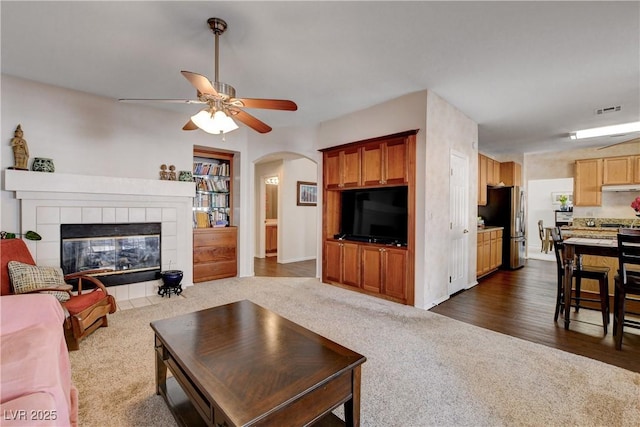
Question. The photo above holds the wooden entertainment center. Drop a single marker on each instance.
(382, 269)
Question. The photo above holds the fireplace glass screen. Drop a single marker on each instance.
(118, 254)
(129, 252)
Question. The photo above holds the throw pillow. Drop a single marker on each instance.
(28, 278)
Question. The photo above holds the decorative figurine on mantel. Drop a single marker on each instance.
(164, 175)
(20, 150)
(168, 175)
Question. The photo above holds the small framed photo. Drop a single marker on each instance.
(307, 193)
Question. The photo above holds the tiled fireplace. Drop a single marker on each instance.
(48, 200)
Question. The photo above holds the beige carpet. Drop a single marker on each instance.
(422, 369)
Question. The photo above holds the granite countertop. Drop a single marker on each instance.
(589, 232)
(485, 228)
(579, 228)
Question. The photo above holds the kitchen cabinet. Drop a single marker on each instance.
(489, 251)
(342, 168)
(511, 173)
(385, 163)
(384, 271)
(482, 180)
(341, 263)
(271, 240)
(489, 174)
(587, 183)
(493, 171)
(214, 253)
(636, 169)
(618, 170)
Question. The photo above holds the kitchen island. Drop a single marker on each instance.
(603, 228)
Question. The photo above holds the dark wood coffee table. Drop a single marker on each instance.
(242, 365)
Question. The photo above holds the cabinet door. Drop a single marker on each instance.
(588, 183)
(636, 169)
(333, 262)
(482, 180)
(350, 167)
(332, 169)
(271, 239)
(511, 173)
(372, 164)
(351, 264)
(395, 273)
(395, 163)
(494, 250)
(492, 179)
(479, 255)
(496, 171)
(371, 269)
(499, 249)
(486, 252)
(617, 170)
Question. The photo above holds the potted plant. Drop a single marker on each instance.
(563, 202)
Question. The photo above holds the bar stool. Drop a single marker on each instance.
(601, 274)
(627, 281)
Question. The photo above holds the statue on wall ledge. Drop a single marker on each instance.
(20, 150)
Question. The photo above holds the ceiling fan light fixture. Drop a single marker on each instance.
(620, 129)
(216, 123)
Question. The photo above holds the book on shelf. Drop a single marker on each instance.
(206, 168)
(202, 219)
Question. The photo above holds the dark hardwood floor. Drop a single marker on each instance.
(269, 267)
(521, 304)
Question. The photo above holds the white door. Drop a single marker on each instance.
(458, 222)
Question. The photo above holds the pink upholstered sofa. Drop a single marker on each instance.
(35, 372)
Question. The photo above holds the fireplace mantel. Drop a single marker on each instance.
(43, 182)
(48, 200)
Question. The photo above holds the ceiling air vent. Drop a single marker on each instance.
(607, 110)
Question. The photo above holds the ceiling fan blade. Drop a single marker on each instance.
(636, 140)
(250, 121)
(189, 126)
(200, 82)
(268, 104)
(166, 101)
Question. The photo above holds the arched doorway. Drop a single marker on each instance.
(278, 217)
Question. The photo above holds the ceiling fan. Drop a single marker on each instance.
(220, 98)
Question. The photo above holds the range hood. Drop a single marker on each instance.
(625, 187)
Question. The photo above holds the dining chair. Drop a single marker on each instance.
(627, 281)
(541, 234)
(601, 274)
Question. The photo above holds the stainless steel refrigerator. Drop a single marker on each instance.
(505, 208)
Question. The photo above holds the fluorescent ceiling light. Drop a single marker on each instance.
(606, 131)
(216, 123)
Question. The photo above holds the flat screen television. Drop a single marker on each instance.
(375, 215)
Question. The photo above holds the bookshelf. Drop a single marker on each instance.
(214, 236)
(212, 202)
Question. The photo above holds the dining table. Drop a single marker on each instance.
(576, 246)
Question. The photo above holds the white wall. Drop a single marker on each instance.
(91, 135)
(540, 207)
(297, 231)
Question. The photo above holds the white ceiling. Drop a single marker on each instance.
(527, 72)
